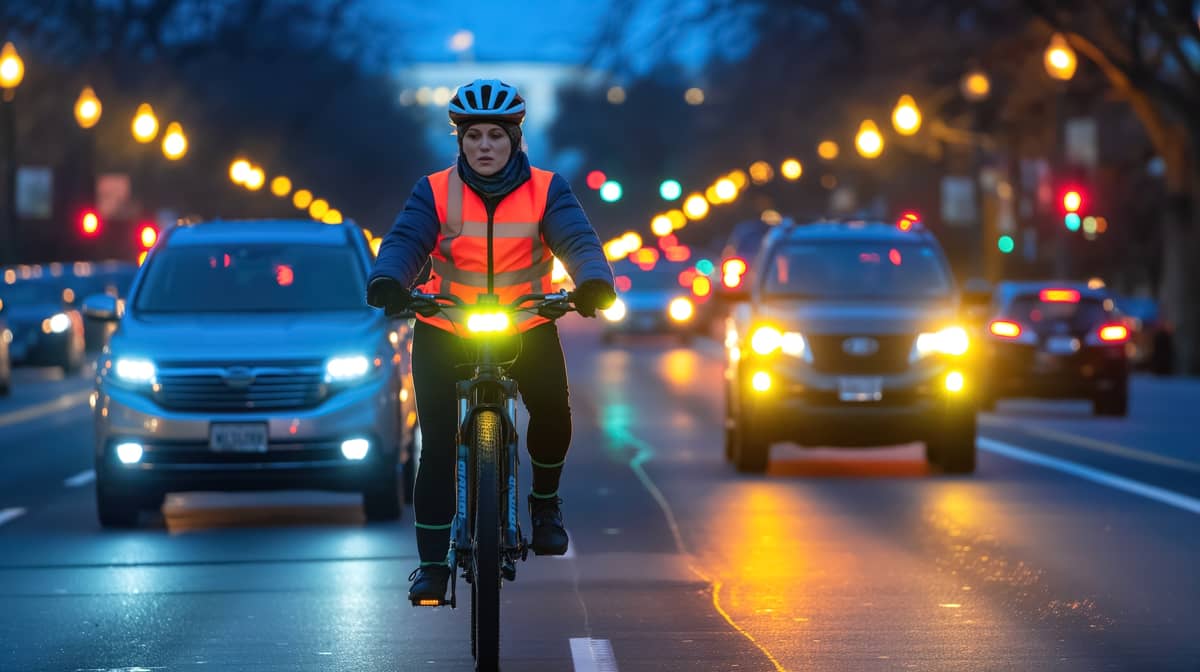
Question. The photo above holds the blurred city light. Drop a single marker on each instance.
(239, 170)
(375, 243)
(771, 217)
(174, 144)
(89, 223)
(318, 208)
(1089, 225)
(829, 181)
(975, 85)
(726, 190)
(442, 96)
(678, 219)
(678, 253)
(705, 267)
(761, 172)
(1101, 224)
(148, 236)
(695, 207)
(701, 286)
(1072, 221)
(739, 179)
(332, 216)
(1059, 58)
(791, 169)
(712, 196)
(145, 124)
(906, 118)
(694, 96)
(558, 272)
(1006, 244)
(670, 190)
(661, 225)
(616, 95)
(1072, 201)
(281, 186)
(631, 240)
(255, 179)
(869, 141)
(302, 199)
(12, 68)
(828, 150)
(462, 41)
(610, 191)
(87, 108)
(596, 179)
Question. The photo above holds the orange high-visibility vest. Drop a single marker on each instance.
(522, 263)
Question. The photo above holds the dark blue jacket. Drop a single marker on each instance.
(565, 228)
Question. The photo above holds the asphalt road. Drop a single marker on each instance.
(1074, 547)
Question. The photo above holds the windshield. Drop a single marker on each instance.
(31, 293)
(852, 269)
(252, 278)
(648, 281)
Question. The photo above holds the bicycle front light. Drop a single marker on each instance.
(949, 341)
(488, 323)
(346, 369)
(615, 312)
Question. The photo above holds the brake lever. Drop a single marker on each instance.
(555, 309)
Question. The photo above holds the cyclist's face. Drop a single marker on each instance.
(487, 148)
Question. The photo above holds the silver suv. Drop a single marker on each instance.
(246, 358)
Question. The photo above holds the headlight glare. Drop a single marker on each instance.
(57, 324)
(345, 369)
(136, 371)
(681, 309)
(615, 312)
(488, 322)
(766, 340)
(949, 341)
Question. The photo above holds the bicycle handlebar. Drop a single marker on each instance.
(553, 305)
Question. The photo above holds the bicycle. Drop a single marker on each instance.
(485, 536)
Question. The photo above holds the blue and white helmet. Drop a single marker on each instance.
(487, 100)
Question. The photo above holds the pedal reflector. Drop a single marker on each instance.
(429, 603)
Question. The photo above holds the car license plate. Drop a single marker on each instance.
(238, 438)
(1062, 345)
(860, 389)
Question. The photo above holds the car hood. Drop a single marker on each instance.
(857, 317)
(254, 337)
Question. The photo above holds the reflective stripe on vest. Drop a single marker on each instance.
(522, 264)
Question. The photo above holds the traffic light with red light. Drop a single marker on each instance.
(148, 236)
(89, 223)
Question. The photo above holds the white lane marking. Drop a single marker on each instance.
(1131, 486)
(62, 403)
(592, 655)
(1099, 446)
(82, 478)
(7, 515)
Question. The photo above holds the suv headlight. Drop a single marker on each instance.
(57, 324)
(347, 369)
(949, 341)
(135, 371)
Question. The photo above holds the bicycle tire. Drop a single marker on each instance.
(485, 604)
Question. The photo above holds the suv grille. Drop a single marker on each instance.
(233, 388)
(891, 357)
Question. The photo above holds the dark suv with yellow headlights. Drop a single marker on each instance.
(850, 338)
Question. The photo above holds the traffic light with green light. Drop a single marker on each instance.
(1006, 244)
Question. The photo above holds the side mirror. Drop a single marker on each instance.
(102, 307)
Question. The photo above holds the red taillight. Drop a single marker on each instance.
(732, 270)
(1114, 333)
(1060, 296)
(1005, 329)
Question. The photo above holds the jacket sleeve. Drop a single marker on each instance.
(405, 248)
(570, 235)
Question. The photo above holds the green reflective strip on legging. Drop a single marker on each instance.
(547, 466)
(540, 496)
(423, 526)
(433, 564)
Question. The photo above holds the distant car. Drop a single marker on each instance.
(247, 359)
(850, 337)
(86, 279)
(1150, 338)
(5, 361)
(737, 257)
(46, 330)
(1057, 340)
(650, 301)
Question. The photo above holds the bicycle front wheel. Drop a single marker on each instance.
(485, 605)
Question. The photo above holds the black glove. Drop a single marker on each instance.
(593, 294)
(389, 294)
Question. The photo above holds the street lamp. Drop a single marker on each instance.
(239, 170)
(174, 144)
(255, 179)
(726, 190)
(1059, 58)
(869, 141)
(318, 208)
(87, 108)
(281, 186)
(695, 207)
(761, 172)
(828, 150)
(975, 85)
(145, 124)
(661, 225)
(12, 69)
(333, 216)
(906, 117)
(302, 199)
(791, 169)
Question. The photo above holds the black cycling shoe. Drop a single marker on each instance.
(549, 535)
(429, 585)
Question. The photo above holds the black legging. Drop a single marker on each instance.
(541, 375)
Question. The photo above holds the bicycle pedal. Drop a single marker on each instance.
(430, 602)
